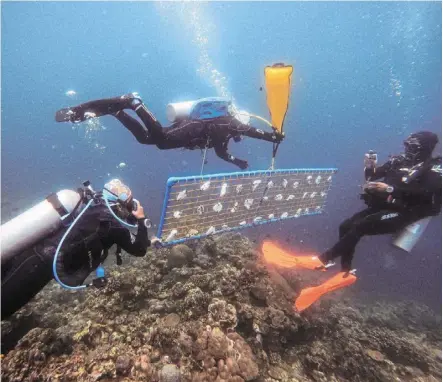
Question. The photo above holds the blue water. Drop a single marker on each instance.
(365, 76)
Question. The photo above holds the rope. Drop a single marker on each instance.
(274, 153)
(272, 166)
(204, 157)
(261, 119)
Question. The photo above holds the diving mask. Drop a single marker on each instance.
(117, 191)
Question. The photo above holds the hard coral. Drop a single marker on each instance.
(221, 316)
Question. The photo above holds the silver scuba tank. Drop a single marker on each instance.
(36, 223)
(179, 110)
(408, 237)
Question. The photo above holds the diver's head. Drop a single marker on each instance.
(419, 146)
(237, 138)
(121, 195)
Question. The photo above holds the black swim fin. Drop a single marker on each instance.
(97, 108)
(75, 114)
(65, 115)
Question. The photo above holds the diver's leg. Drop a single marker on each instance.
(96, 108)
(135, 127)
(344, 247)
(346, 261)
(348, 223)
(351, 232)
(344, 228)
(184, 134)
(154, 127)
(377, 223)
(22, 278)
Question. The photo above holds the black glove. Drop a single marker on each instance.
(242, 164)
(279, 136)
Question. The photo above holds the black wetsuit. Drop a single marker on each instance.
(390, 213)
(84, 249)
(189, 134)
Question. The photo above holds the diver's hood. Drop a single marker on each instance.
(116, 190)
(419, 146)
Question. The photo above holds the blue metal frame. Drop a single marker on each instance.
(173, 180)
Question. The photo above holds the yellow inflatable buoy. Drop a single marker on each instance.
(278, 88)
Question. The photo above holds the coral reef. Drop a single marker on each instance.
(214, 312)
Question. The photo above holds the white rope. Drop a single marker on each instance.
(204, 157)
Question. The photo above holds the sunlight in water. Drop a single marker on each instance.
(193, 17)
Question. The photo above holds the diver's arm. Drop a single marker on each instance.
(236, 127)
(377, 172)
(221, 149)
(122, 237)
(400, 191)
(420, 193)
(420, 190)
(410, 190)
(430, 185)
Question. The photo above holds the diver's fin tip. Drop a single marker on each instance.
(310, 295)
(64, 115)
(307, 297)
(278, 256)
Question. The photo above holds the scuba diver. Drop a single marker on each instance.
(210, 123)
(86, 224)
(411, 190)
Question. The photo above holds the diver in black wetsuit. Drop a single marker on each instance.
(410, 191)
(25, 274)
(190, 134)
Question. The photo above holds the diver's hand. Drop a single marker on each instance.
(242, 164)
(279, 136)
(156, 242)
(370, 160)
(376, 186)
(139, 213)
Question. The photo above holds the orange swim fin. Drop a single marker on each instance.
(277, 256)
(310, 295)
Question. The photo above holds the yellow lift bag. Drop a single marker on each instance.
(278, 89)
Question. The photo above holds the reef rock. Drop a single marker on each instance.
(215, 312)
(179, 256)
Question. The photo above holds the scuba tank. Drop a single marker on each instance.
(204, 108)
(409, 236)
(179, 110)
(37, 222)
(52, 214)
